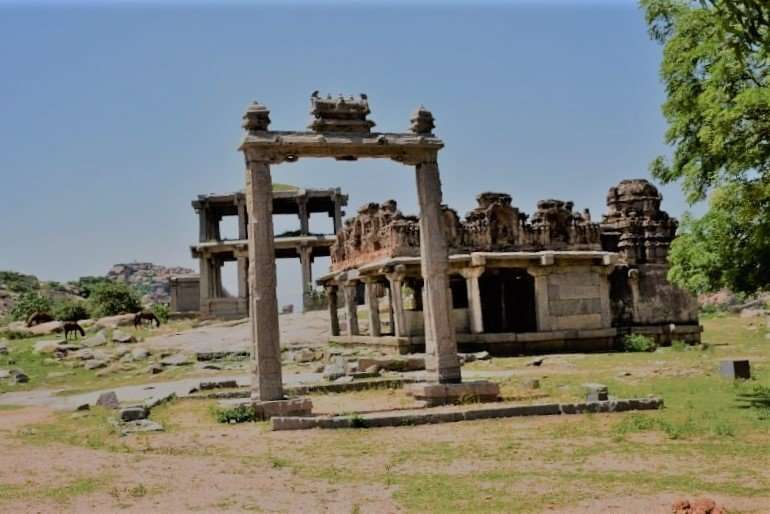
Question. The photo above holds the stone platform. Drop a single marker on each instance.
(442, 394)
(457, 413)
(282, 408)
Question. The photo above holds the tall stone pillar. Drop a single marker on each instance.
(304, 216)
(306, 263)
(216, 274)
(331, 296)
(351, 308)
(440, 344)
(374, 306)
(267, 381)
(471, 276)
(398, 318)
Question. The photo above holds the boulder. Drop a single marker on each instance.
(304, 355)
(19, 377)
(98, 339)
(4, 373)
(108, 400)
(95, 364)
(84, 355)
(119, 336)
(3, 347)
(121, 320)
(155, 369)
(140, 353)
(47, 346)
(45, 329)
(176, 360)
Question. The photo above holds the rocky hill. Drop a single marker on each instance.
(151, 280)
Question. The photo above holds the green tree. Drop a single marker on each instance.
(716, 57)
(70, 309)
(28, 304)
(111, 298)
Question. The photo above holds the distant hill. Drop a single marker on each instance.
(151, 280)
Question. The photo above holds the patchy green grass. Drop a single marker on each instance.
(59, 494)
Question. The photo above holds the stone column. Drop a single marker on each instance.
(243, 232)
(306, 263)
(331, 295)
(304, 216)
(398, 319)
(216, 275)
(337, 214)
(391, 312)
(204, 284)
(243, 277)
(267, 381)
(471, 276)
(374, 306)
(542, 307)
(213, 226)
(440, 344)
(351, 308)
(203, 225)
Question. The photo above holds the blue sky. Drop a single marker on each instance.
(114, 118)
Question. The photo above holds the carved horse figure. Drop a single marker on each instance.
(37, 318)
(73, 327)
(141, 317)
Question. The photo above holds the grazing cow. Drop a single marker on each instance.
(141, 317)
(73, 327)
(37, 318)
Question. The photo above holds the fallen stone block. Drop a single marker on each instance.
(153, 401)
(176, 360)
(140, 425)
(735, 369)
(395, 364)
(19, 377)
(95, 364)
(133, 412)
(47, 346)
(465, 392)
(3, 347)
(99, 339)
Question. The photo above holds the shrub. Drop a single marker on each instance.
(18, 282)
(69, 309)
(87, 284)
(111, 298)
(639, 343)
(237, 414)
(678, 345)
(161, 310)
(28, 304)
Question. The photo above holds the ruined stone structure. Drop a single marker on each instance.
(555, 281)
(340, 130)
(212, 251)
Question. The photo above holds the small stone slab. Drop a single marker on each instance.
(218, 384)
(3, 347)
(19, 377)
(99, 339)
(140, 425)
(395, 364)
(154, 401)
(596, 392)
(735, 369)
(442, 394)
(285, 408)
(176, 360)
(118, 336)
(210, 356)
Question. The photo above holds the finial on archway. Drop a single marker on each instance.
(422, 122)
(256, 118)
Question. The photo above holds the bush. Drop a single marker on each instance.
(639, 343)
(18, 282)
(112, 298)
(28, 304)
(678, 345)
(87, 284)
(161, 310)
(237, 414)
(69, 309)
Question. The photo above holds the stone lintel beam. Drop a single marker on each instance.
(285, 146)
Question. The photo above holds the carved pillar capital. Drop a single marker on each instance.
(472, 272)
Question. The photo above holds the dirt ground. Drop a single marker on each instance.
(701, 445)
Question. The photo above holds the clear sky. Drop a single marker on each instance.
(113, 118)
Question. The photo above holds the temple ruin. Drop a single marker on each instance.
(555, 281)
(212, 250)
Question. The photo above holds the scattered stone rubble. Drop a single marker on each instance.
(702, 506)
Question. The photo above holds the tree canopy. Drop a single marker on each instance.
(716, 57)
